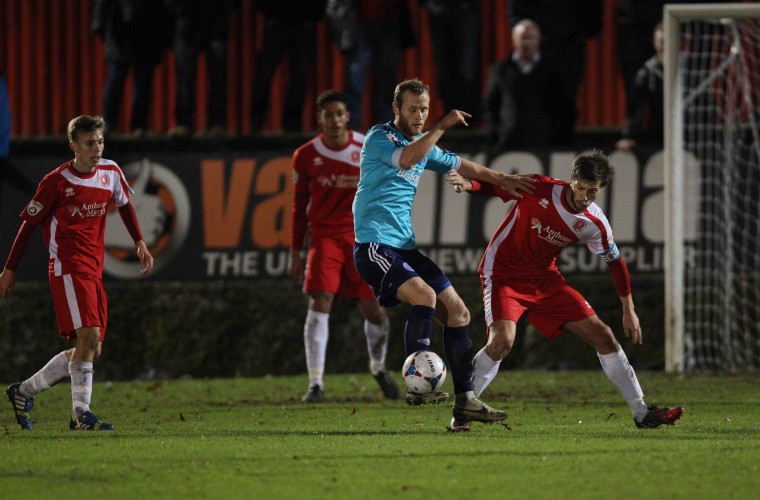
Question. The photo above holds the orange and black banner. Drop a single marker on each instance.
(227, 216)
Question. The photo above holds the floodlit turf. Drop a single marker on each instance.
(569, 435)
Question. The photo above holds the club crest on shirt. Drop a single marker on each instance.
(579, 225)
(33, 208)
(104, 180)
(393, 139)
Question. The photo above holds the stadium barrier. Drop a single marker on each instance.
(221, 304)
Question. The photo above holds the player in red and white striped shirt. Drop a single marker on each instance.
(519, 276)
(326, 172)
(70, 206)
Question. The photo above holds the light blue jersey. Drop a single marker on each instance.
(383, 203)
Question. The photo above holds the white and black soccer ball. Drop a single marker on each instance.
(424, 372)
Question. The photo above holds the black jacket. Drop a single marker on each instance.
(132, 29)
(526, 110)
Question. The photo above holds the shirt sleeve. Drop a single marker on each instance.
(122, 191)
(487, 189)
(442, 160)
(129, 217)
(42, 204)
(620, 277)
(19, 245)
(382, 145)
(300, 202)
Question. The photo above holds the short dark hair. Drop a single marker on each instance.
(84, 124)
(415, 86)
(329, 96)
(593, 166)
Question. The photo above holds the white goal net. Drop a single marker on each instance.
(712, 179)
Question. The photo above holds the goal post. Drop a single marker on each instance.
(712, 186)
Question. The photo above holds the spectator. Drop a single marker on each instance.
(371, 35)
(200, 26)
(290, 27)
(634, 23)
(134, 34)
(566, 26)
(644, 123)
(525, 106)
(455, 32)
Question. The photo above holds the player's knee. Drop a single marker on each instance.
(424, 297)
(373, 312)
(457, 314)
(499, 344)
(604, 340)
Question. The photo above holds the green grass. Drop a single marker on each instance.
(570, 435)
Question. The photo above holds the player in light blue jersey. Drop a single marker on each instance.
(394, 157)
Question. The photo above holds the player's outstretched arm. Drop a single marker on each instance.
(461, 185)
(420, 147)
(515, 185)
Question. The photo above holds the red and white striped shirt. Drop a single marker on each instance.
(325, 185)
(71, 209)
(539, 226)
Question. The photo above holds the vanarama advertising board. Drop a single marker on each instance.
(227, 216)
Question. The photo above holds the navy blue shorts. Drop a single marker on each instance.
(386, 268)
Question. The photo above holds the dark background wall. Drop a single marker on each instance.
(55, 68)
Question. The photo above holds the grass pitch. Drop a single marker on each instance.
(569, 435)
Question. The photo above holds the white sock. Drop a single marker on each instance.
(484, 370)
(620, 372)
(377, 344)
(464, 397)
(81, 387)
(53, 372)
(315, 333)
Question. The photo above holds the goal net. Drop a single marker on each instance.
(712, 182)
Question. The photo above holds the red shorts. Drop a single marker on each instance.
(330, 268)
(549, 306)
(79, 300)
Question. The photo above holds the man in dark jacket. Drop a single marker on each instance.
(525, 105)
(135, 33)
(201, 26)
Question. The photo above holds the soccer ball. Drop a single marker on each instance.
(423, 372)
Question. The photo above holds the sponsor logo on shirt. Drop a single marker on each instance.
(550, 235)
(88, 209)
(341, 181)
(412, 175)
(33, 208)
